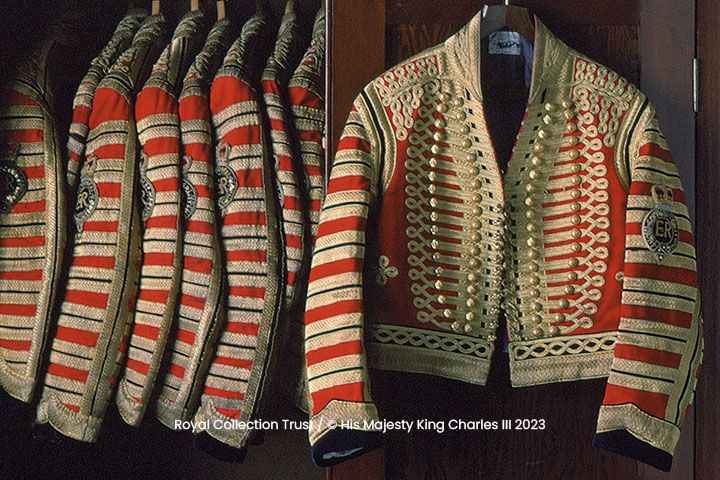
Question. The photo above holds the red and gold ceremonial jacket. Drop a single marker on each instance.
(584, 243)
(96, 309)
(158, 127)
(201, 310)
(236, 384)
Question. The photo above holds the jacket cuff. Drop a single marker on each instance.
(624, 443)
(343, 430)
(629, 431)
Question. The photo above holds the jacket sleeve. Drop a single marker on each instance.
(336, 365)
(659, 348)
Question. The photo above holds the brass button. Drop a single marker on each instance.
(468, 328)
(554, 331)
(435, 149)
(474, 250)
(457, 102)
(564, 303)
(477, 211)
(531, 242)
(569, 114)
(477, 197)
(547, 119)
(573, 262)
(432, 176)
(571, 128)
(434, 243)
(533, 267)
(442, 108)
(538, 147)
(542, 134)
(474, 263)
(447, 313)
(476, 184)
(460, 116)
(472, 289)
(432, 188)
(576, 220)
(574, 154)
(474, 171)
(470, 302)
(576, 247)
(537, 306)
(440, 123)
(534, 174)
(572, 276)
(575, 207)
(434, 216)
(476, 237)
(574, 140)
(442, 299)
(436, 257)
(433, 202)
(576, 233)
(530, 214)
(575, 193)
(529, 201)
(438, 270)
(535, 319)
(537, 161)
(577, 168)
(533, 254)
(534, 293)
(433, 162)
(538, 332)
(534, 281)
(472, 277)
(464, 130)
(470, 316)
(569, 289)
(456, 326)
(437, 136)
(549, 107)
(446, 97)
(576, 180)
(567, 104)
(531, 227)
(530, 187)
(439, 284)
(560, 317)
(467, 143)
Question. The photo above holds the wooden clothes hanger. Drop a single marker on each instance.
(194, 5)
(220, 9)
(517, 19)
(155, 7)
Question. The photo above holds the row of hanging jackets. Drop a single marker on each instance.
(193, 179)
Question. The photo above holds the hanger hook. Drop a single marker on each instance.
(507, 3)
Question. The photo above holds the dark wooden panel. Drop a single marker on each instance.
(562, 451)
(566, 12)
(358, 54)
(708, 222)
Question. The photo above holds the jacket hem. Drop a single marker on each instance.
(445, 364)
(16, 385)
(555, 369)
(77, 426)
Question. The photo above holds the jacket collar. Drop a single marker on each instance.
(547, 64)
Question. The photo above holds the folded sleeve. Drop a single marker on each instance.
(342, 412)
(659, 347)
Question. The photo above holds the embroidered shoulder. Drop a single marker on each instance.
(406, 87)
